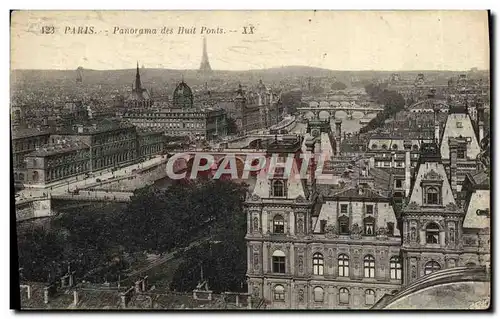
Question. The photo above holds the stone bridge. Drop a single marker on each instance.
(324, 110)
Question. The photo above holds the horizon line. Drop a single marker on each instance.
(264, 69)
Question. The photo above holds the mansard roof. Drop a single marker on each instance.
(357, 193)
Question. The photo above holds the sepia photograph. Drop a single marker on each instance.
(250, 160)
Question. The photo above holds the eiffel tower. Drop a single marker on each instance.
(205, 65)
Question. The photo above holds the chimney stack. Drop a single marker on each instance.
(480, 120)
(436, 132)
(311, 182)
(338, 134)
(46, 295)
(453, 164)
(407, 146)
(75, 297)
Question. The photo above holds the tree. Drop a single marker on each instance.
(338, 86)
(232, 128)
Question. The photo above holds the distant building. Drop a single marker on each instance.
(25, 141)
(139, 97)
(182, 119)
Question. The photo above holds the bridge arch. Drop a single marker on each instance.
(341, 114)
(309, 115)
(313, 104)
(324, 115)
(358, 115)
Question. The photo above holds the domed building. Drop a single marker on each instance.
(183, 96)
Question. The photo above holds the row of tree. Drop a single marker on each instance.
(393, 102)
(95, 242)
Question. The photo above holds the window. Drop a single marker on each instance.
(344, 225)
(415, 147)
(343, 209)
(452, 263)
(431, 267)
(369, 266)
(318, 264)
(432, 196)
(369, 209)
(279, 293)
(369, 223)
(384, 146)
(394, 146)
(343, 263)
(470, 265)
(374, 146)
(399, 183)
(459, 125)
(432, 234)
(461, 153)
(279, 262)
(395, 265)
(278, 224)
(319, 295)
(452, 235)
(278, 189)
(322, 226)
(390, 229)
(369, 297)
(343, 296)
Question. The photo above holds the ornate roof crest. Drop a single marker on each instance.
(432, 175)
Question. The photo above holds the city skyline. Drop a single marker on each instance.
(386, 41)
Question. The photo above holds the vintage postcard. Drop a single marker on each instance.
(251, 160)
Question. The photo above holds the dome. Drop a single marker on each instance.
(183, 96)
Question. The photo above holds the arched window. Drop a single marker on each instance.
(343, 296)
(35, 176)
(343, 263)
(431, 267)
(278, 188)
(415, 147)
(278, 224)
(432, 233)
(279, 293)
(318, 264)
(384, 146)
(432, 196)
(395, 265)
(394, 146)
(279, 262)
(319, 295)
(470, 265)
(369, 266)
(374, 146)
(369, 297)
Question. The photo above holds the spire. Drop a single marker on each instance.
(205, 65)
(138, 87)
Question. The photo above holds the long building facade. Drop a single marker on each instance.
(347, 247)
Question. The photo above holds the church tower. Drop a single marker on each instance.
(205, 65)
(138, 85)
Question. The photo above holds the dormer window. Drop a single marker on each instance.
(384, 146)
(343, 225)
(394, 146)
(432, 196)
(369, 209)
(374, 146)
(278, 188)
(459, 125)
(369, 224)
(432, 234)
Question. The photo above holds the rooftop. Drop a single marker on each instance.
(28, 132)
(64, 147)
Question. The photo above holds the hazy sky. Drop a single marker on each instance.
(338, 40)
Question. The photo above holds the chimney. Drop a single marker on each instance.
(46, 295)
(480, 120)
(75, 297)
(407, 172)
(311, 182)
(338, 134)
(453, 164)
